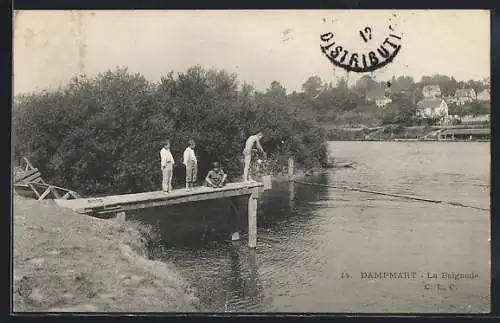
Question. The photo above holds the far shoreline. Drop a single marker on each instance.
(409, 140)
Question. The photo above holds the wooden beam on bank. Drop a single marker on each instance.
(44, 194)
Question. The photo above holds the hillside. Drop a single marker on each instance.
(70, 262)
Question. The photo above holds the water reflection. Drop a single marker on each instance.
(289, 203)
(230, 280)
(244, 280)
(253, 273)
(291, 194)
(237, 282)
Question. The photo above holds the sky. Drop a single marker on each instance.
(51, 47)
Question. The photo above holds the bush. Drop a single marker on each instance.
(103, 135)
(478, 108)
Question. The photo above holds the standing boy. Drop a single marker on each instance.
(191, 165)
(167, 166)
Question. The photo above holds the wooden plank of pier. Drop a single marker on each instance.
(158, 198)
(119, 204)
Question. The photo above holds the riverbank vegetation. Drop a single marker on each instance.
(86, 264)
(103, 135)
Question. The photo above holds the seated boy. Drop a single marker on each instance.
(215, 177)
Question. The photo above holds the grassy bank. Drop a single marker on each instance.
(65, 261)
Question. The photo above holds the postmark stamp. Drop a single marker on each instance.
(376, 54)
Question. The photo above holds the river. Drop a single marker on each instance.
(307, 245)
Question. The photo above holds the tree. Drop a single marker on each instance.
(478, 86)
(447, 85)
(455, 109)
(401, 110)
(478, 108)
(342, 83)
(417, 95)
(247, 90)
(402, 83)
(276, 88)
(313, 86)
(364, 85)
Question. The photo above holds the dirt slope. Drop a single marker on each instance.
(65, 261)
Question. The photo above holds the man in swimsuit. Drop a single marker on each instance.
(247, 153)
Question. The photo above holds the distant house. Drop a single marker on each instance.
(463, 96)
(432, 108)
(382, 101)
(484, 96)
(431, 91)
(379, 97)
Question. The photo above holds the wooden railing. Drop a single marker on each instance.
(28, 182)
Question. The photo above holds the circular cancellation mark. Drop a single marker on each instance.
(361, 62)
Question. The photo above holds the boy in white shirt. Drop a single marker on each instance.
(191, 165)
(167, 166)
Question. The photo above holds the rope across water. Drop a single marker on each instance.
(409, 197)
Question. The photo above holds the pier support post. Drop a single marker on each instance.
(252, 219)
(291, 169)
(121, 216)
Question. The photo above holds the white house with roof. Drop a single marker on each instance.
(432, 108)
(431, 91)
(484, 96)
(463, 96)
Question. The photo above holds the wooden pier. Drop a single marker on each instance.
(120, 204)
